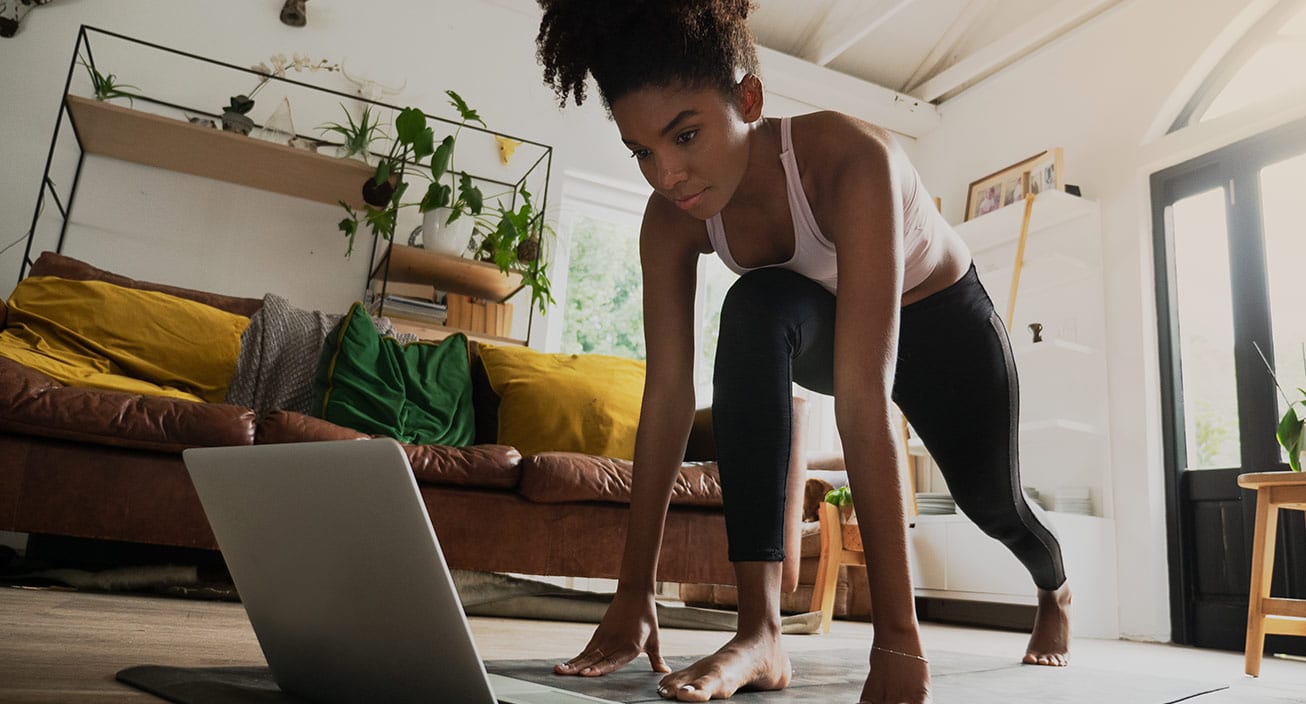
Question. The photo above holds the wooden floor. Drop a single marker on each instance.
(59, 647)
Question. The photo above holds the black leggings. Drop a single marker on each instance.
(955, 383)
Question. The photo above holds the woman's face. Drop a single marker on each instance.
(691, 144)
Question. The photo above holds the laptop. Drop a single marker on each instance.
(333, 554)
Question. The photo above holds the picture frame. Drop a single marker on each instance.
(1042, 172)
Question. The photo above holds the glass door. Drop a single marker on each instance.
(1229, 249)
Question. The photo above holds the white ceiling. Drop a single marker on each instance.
(932, 50)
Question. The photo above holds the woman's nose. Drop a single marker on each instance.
(670, 173)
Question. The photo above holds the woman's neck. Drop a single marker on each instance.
(764, 177)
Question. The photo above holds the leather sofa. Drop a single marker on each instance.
(106, 465)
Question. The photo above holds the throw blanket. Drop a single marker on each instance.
(279, 353)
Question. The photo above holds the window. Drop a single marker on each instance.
(603, 305)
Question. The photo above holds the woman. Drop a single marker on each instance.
(852, 285)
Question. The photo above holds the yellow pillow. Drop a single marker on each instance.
(565, 402)
(92, 333)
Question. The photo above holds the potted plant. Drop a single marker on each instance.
(383, 192)
(357, 137)
(442, 229)
(514, 242)
(1291, 432)
(107, 87)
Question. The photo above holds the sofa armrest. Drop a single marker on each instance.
(35, 404)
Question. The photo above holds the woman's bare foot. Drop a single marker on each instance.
(757, 662)
(896, 678)
(1049, 644)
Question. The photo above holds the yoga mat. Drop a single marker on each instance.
(819, 676)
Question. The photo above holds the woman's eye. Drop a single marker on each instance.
(685, 137)
(639, 154)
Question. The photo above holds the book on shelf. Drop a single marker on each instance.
(411, 308)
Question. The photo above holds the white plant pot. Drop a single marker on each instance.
(446, 238)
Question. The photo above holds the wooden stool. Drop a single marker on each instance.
(1266, 615)
(841, 544)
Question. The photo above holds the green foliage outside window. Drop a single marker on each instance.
(604, 306)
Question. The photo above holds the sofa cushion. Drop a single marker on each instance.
(92, 333)
(419, 392)
(35, 404)
(477, 466)
(584, 403)
(559, 477)
(52, 264)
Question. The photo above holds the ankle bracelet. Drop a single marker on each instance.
(899, 652)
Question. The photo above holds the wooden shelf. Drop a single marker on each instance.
(1002, 226)
(435, 332)
(449, 273)
(154, 140)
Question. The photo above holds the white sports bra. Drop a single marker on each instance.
(814, 254)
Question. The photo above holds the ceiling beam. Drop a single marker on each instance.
(1015, 45)
(947, 43)
(828, 89)
(821, 50)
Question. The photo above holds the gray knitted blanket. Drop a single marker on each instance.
(279, 353)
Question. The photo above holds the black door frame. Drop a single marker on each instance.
(1235, 168)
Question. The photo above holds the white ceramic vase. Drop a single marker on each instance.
(439, 236)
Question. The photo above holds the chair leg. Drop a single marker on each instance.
(827, 570)
(1267, 524)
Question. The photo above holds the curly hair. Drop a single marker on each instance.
(632, 44)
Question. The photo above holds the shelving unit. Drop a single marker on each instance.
(1064, 414)
(154, 131)
(168, 143)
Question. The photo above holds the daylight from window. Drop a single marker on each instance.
(1285, 250)
(604, 303)
(1206, 331)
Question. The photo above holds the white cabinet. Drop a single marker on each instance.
(1064, 441)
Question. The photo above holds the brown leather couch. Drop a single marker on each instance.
(107, 465)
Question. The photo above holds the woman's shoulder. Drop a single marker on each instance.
(830, 145)
(839, 132)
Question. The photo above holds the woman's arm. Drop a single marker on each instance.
(669, 260)
(867, 227)
(669, 257)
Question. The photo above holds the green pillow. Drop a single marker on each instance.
(418, 393)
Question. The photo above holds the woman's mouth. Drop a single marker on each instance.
(689, 201)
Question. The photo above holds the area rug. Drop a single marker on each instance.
(819, 676)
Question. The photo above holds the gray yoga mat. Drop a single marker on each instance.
(819, 676)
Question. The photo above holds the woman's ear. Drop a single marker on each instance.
(750, 97)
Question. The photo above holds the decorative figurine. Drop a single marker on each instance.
(293, 13)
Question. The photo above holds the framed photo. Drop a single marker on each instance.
(1045, 173)
(1041, 172)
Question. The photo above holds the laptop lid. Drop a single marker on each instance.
(332, 551)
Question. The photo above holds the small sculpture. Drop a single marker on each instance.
(294, 14)
(1037, 329)
(12, 13)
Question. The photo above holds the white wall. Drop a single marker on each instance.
(1098, 94)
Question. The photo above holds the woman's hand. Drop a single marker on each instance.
(629, 627)
(896, 678)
